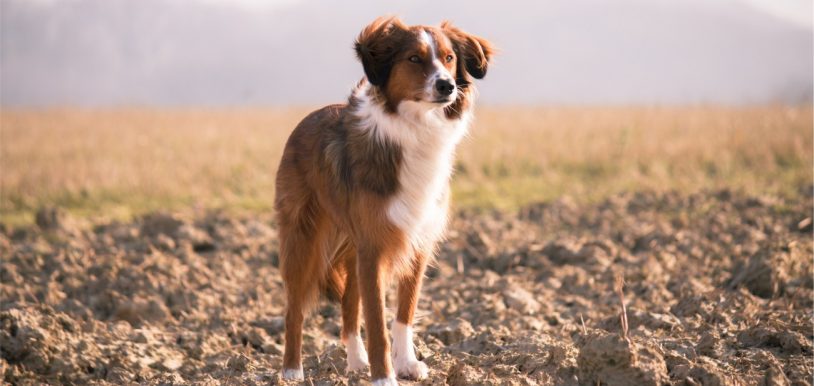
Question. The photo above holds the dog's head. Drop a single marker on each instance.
(421, 63)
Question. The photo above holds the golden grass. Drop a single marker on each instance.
(517, 155)
(118, 163)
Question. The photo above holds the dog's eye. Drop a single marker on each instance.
(449, 58)
(415, 59)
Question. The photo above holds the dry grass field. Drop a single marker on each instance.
(706, 213)
(119, 163)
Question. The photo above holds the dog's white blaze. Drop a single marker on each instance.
(404, 359)
(427, 140)
(440, 70)
(427, 38)
(293, 374)
(357, 355)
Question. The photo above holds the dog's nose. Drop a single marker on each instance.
(444, 87)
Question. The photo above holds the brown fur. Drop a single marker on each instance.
(333, 188)
(331, 203)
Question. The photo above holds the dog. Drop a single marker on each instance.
(362, 191)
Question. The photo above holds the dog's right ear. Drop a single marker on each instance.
(377, 46)
(474, 52)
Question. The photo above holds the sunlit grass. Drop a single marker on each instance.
(120, 163)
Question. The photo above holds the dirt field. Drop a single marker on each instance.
(713, 240)
(718, 292)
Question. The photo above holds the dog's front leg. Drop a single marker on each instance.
(404, 359)
(370, 274)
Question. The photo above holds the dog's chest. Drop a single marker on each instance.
(419, 208)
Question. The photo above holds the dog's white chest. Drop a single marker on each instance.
(427, 140)
(420, 206)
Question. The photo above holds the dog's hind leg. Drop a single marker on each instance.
(303, 265)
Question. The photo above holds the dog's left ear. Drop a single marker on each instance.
(474, 52)
(377, 46)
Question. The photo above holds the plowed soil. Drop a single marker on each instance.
(718, 291)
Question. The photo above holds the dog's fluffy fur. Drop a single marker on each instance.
(363, 189)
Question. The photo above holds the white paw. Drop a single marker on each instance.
(413, 369)
(356, 363)
(357, 355)
(404, 359)
(389, 381)
(293, 374)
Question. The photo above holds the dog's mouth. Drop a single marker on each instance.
(444, 100)
(435, 99)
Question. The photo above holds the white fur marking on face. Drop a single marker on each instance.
(357, 355)
(427, 38)
(440, 71)
(404, 359)
(293, 374)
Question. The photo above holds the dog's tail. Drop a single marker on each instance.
(333, 285)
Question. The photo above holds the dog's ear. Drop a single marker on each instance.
(377, 46)
(474, 53)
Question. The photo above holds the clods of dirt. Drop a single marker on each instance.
(718, 291)
(615, 360)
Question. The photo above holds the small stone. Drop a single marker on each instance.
(463, 374)
(143, 336)
(615, 360)
(519, 299)
(453, 332)
(805, 225)
(50, 218)
(164, 242)
(160, 223)
(239, 363)
(710, 344)
(256, 337)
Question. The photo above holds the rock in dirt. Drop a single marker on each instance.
(595, 253)
(199, 239)
(710, 344)
(791, 342)
(707, 373)
(452, 332)
(613, 360)
(805, 225)
(765, 274)
(517, 298)
(139, 310)
(461, 374)
(155, 224)
(775, 377)
(239, 363)
(50, 218)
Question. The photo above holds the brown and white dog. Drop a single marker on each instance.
(363, 189)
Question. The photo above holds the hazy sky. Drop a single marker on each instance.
(294, 52)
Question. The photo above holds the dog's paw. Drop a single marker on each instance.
(357, 361)
(293, 374)
(389, 381)
(357, 355)
(412, 369)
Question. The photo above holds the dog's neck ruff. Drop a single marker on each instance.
(427, 139)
